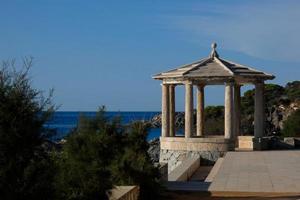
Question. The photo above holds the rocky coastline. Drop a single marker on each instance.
(179, 120)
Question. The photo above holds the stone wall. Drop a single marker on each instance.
(175, 157)
(173, 150)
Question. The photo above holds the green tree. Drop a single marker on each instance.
(133, 165)
(84, 163)
(272, 96)
(273, 93)
(214, 120)
(292, 89)
(291, 126)
(101, 153)
(26, 168)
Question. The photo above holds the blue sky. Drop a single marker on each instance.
(104, 52)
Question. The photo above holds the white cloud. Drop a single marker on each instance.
(269, 30)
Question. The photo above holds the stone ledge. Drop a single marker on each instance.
(207, 139)
(185, 170)
(214, 170)
(124, 193)
(195, 144)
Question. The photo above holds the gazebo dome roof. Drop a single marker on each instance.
(214, 67)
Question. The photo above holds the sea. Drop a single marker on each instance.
(63, 122)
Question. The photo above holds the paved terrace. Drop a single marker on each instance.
(259, 172)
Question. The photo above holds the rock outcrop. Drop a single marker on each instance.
(278, 114)
(154, 150)
(179, 120)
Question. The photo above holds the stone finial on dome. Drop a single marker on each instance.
(213, 51)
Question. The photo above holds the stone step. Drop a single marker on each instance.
(214, 170)
(243, 149)
(185, 170)
(201, 173)
(187, 186)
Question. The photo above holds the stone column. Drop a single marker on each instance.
(259, 111)
(188, 110)
(228, 128)
(200, 110)
(237, 110)
(172, 110)
(165, 111)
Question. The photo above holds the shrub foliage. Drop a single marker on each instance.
(25, 166)
(101, 153)
(291, 126)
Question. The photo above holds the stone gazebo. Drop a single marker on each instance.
(208, 71)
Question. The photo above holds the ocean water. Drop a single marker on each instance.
(64, 122)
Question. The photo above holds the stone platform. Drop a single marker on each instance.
(276, 172)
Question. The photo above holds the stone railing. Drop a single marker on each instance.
(124, 193)
(185, 170)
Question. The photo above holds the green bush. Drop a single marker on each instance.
(133, 165)
(214, 112)
(84, 163)
(292, 90)
(291, 126)
(272, 96)
(214, 120)
(26, 168)
(101, 153)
